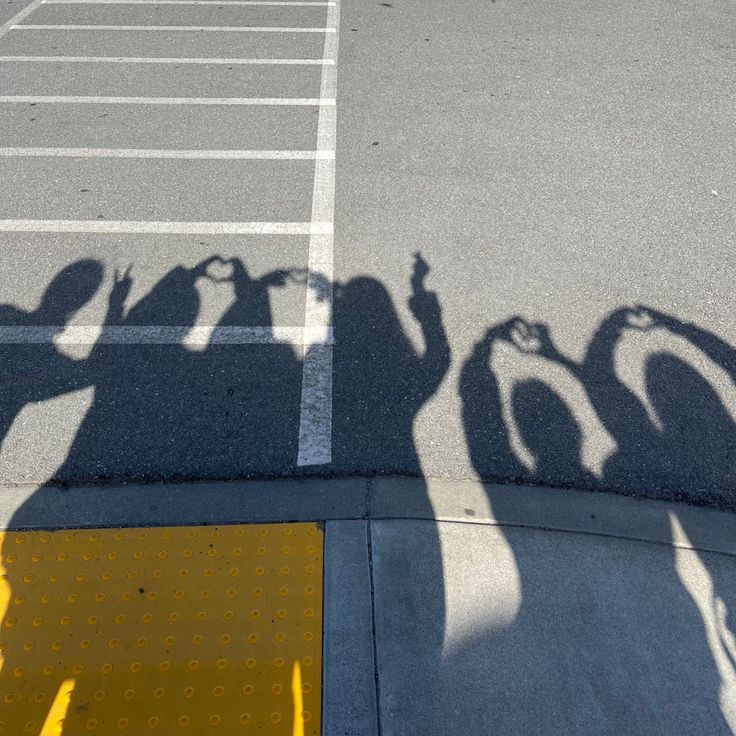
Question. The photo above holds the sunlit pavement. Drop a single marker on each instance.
(500, 248)
(448, 608)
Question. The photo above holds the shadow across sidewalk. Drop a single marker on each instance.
(566, 656)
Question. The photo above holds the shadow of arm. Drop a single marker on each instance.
(485, 431)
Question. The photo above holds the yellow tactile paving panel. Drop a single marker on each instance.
(173, 630)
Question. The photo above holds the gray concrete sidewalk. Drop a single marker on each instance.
(539, 612)
(456, 607)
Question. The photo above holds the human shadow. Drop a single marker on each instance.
(163, 407)
(170, 408)
(596, 642)
(675, 438)
(560, 655)
(682, 445)
(164, 411)
(176, 401)
(549, 430)
(381, 381)
(32, 368)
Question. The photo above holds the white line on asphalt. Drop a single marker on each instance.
(162, 153)
(159, 60)
(18, 17)
(296, 4)
(161, 335)
(198, 29)
(76, 100)
(165, 227)
(315, 416)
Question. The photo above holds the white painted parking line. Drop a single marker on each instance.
(315, 426)
(18, 17)
(283, 3)
(164, 227)
(198, 29)
(170, 153)
(88, 100)
(159, 60)
(315, 417)
(161, 335)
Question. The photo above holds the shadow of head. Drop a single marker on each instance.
(370, 332)
(699, 432)
(69, 291)
(546, 425)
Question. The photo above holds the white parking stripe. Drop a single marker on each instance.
(77, 100)
(296, 4)
(161, 335)
(315, 427)
(154, 153)
(158, 60)
(198, 29)
(315, 418)
(18, 17)
(160, 228)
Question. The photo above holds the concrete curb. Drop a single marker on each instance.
(605, 514)
(584, 512)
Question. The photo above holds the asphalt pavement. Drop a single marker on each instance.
(565, 171)
(342, 261)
